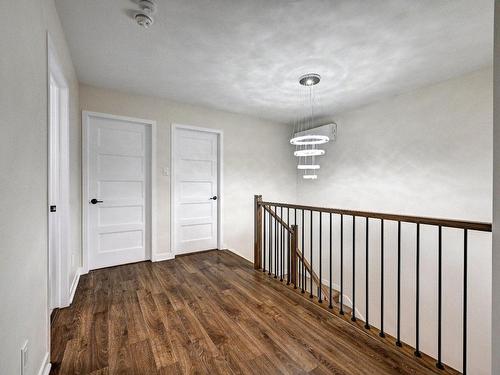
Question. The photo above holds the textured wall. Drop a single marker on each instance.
(23, 177)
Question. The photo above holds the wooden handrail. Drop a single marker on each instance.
(278, 219)
(472, 225)
(313, 274)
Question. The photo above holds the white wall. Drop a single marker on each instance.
(496, 201)
(23, 177)
(256, 158)
(426, 153)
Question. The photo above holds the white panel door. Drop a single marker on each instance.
(196, 175)
(119, 192)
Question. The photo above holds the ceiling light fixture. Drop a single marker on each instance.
(144, 17)
(309, 140)
(310, 79)
(308, 166)
(309, 152)
(304, 137)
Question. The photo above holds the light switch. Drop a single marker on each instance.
(165, 171)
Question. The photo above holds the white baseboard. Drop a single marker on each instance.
(162, 257)
(45, 367)
(74, 285)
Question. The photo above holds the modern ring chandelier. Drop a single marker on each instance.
(304, 139)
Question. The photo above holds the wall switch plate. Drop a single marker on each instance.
(165, 171)
(24, 357)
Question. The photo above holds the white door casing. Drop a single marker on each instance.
(59, 259)
(195, 182)
(119, 173)
(54, 201)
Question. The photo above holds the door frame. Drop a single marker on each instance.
(86, 115)
(63, 258)
(220, 179)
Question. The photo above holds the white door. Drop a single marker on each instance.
(119, 196)
(196, 174)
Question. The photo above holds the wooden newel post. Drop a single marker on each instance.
(293, 255)
(257, 256)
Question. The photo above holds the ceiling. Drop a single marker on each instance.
(245, 56)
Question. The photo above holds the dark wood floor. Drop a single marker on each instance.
(208, 313)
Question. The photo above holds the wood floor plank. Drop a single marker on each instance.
(209, 313)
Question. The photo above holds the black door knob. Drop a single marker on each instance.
(95, 201)
(214, 197)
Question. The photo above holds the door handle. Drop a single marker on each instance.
(95, 201)
(213, 198)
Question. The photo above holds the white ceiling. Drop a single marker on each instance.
(245, 56)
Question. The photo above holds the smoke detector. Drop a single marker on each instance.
(144, 17)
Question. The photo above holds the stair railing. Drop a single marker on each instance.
(279, 250)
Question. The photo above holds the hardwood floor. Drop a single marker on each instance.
(208, 313)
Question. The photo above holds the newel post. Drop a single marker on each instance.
(293, 255)
(257, 256)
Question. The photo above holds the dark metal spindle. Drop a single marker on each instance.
(330, 261)
(303, 252)
(264, 241)
(381, 333)
(398, 339)
(353, 317)
(464, 349)
(439, 363)
(417, 297)
(288, 246)
(296, 241)
(281, 245)
(311, 252)
(275, 244)
(367, 325)
(341, 264)
(270, 242)
(320, 299)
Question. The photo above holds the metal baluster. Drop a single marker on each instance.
(439, 363)
(398, 339)
(353, 317)
(288, 245)
(264, 241)
(417, 297)
(311, 237)
(341, 264)
(367, 325)
(381, 333)
(276, 244)
(464, 349)
(281, 245)
(303, 276)
(331, 262)
(296, 242)
(320, 298)
(270, 242)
